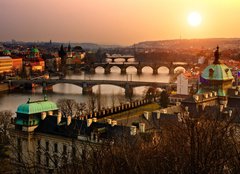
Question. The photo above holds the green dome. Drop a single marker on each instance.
(36, 107)
(217, 72)
(34, 50)
(6, 52)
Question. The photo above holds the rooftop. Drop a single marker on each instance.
(33, 107)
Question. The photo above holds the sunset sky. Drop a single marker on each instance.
(116, 21)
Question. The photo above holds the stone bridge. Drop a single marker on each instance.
(139, 66)
(125, 57)
(87, 85)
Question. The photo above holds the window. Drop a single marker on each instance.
(39, 144)
(47, 161)
(38, 157)
(73, 152)
(55, 147)
(55, 162)
(19, 145)
(47, 146)
(64, 149)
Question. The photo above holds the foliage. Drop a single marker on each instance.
(164, 99)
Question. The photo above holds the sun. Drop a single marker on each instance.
(194, 19)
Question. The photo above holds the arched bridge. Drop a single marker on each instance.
(88, 84)
(139, 66)
(114, 57)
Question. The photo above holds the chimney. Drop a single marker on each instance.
(146, 115)
(114, 122)
(142, 127)
(230, 113)
(221, 108)
(158, 114)
(50, 112)
(43, 115)
(59, 117)
(89, 122)
(94, 119)
(236, 92)
(133, 130)
(69, 119)
(109, 121)
(179, 117)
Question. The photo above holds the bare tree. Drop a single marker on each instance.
(5, 120)
(70, 107)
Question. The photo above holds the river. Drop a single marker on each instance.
(10, 101)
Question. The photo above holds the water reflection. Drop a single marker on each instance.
(109, 93)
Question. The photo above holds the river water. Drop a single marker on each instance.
(110, 93)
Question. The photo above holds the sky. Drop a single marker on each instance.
(121, 22)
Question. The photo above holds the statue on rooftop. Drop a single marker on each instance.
(216, 56)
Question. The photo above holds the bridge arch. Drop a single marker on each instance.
(147, 69)
(99, 69)
(163, 70)
(131, 69)
(68, 88)
(179, 69)
(115, 68)
(108, 89)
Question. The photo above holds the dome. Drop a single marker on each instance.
(34, 50)
(216, 77)
(36, 107)
(6, 52)
(219, 72)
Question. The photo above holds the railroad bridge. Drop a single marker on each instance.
(87, 85)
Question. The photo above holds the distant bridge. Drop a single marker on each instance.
(172, 66)
(114, 57)
(87, 85)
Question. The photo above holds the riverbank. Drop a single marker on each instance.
(3, 87)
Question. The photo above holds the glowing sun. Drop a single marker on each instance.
(194, 19)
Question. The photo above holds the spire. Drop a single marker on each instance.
(69, 47)
(216, 56)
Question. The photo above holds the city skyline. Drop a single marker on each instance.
(116, 22)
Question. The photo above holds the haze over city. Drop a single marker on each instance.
(121, 22)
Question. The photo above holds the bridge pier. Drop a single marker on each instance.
(28, 86)
(107, 70)
(171, 71)
(47, 88)
(86, 89)
(92, 70)
(123, 70)
(139, 70)
(155, 71)
(128, 91)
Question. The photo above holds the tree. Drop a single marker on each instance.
(5, 120)
(164, 99)
(70, 107)
(152, 93)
